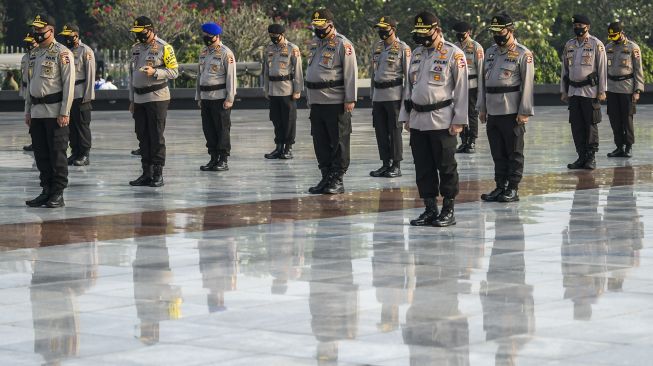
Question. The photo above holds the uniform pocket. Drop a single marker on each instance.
(596, 111)
(507, 71)
(633, 108)
(344, 124)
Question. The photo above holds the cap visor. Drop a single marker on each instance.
(319, 23)
(496, 28)
(421, 30)
(66, 33)
(137, 29)
(382, 25)
(28, 39)
(39, 24)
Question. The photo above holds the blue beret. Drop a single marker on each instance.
(212, 29)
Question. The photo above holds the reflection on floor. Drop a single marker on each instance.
(222, 270)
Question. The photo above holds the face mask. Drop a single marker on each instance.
(70, 41)
(425, 41)
(142, 36)
(501, 40)
(275, 39)
(461, 36)
(384, 34)
(580, 31)
(208, 40)
(322, 33)
(40, 37)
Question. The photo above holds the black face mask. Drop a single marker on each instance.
(501, 40)
(322, 33)
(461, 36)
(40, 37)
(208, 40)
(70, 41)
(384, 34)
(580, 31)
(275, 39)
(142, 36)
(425, 41)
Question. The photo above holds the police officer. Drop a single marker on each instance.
(435, 112)
(389, 74)
(51, 83)
(80, 114)
(506, 103)
(583, 85)
(283, 82)
(625, 83)
(474, 56)
(331, 79)
(153, 64)
(215, 93)
(30, 44)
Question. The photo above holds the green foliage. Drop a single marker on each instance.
(547, 61)
(647, 62)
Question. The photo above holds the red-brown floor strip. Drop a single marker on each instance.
(133, 225)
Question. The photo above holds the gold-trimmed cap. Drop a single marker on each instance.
(140, 24)
(424, 21)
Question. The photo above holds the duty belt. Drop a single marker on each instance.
(388, 84)
(502, 89)
(621, 78)
(48, 99)
(580, 84)
(149, 89)
(78, 82)
(432, 107)
(208, 88)
(472, 77)
(325, 84)
(282, 78)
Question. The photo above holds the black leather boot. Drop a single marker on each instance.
(286, 153)
(509, 195)
(276, 153)
(212, 164)
(83, 160)
(222, 164)
(494, 195)
(578, 163)
(157, 176)
(446, 216)
(71, 160)
(55, 200)
(429, 215)
(335, 184)
(463, 145)
(145, 179)
(394, 171)
(136, 152)
(319, 188)
(617, 153)
(628, 151)
(28, 147)
(590, 161)
(41, 199)
(379, 172)
(471, 147)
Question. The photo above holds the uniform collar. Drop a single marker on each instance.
(584, 40)
(331, 38)
(504, 50)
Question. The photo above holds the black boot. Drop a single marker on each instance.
(494, 195)
(71, 160)
(628, 151)
(617, 153)
(335, 185)
(379, 172)
(286, 153)
(145, 179)
(136, 152)
(55, 200)
(82, 160)
(157, 176)
(41, 199)
(579, 162)
(463, 145)
(276, 153)
(509, 195)
(222, 164)
(212, 164)
(394, 171)
(319, 188)
(590, 161)
(446, 216)
(429, 215)
(28, 147)
(471, 147)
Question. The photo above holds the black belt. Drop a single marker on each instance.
(150, 89)
(621, 78)
(432, 107)
(77, 82)
(282, 78)
(325, 84)
(388, 84)
(580, 84)
(502, 89)
(208, 88)
(472, 77)
(48, 99)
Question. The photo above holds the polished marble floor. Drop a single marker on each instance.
(244, 268)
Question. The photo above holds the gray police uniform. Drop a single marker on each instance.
(625, 77)
(583, 78)
(216, 83)
(283, 77)
(51, 84)
(508, 91)
(389, 74)
(436, 98)
(474, 56)
(151, 96)
(80, 113)
(331, 81)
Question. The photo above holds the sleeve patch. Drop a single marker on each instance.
(295, 52)
(65, 58)
(348, 50)
(169, 58)
(231, 59)
(636, 53)
(407, 52)
(529, 58)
